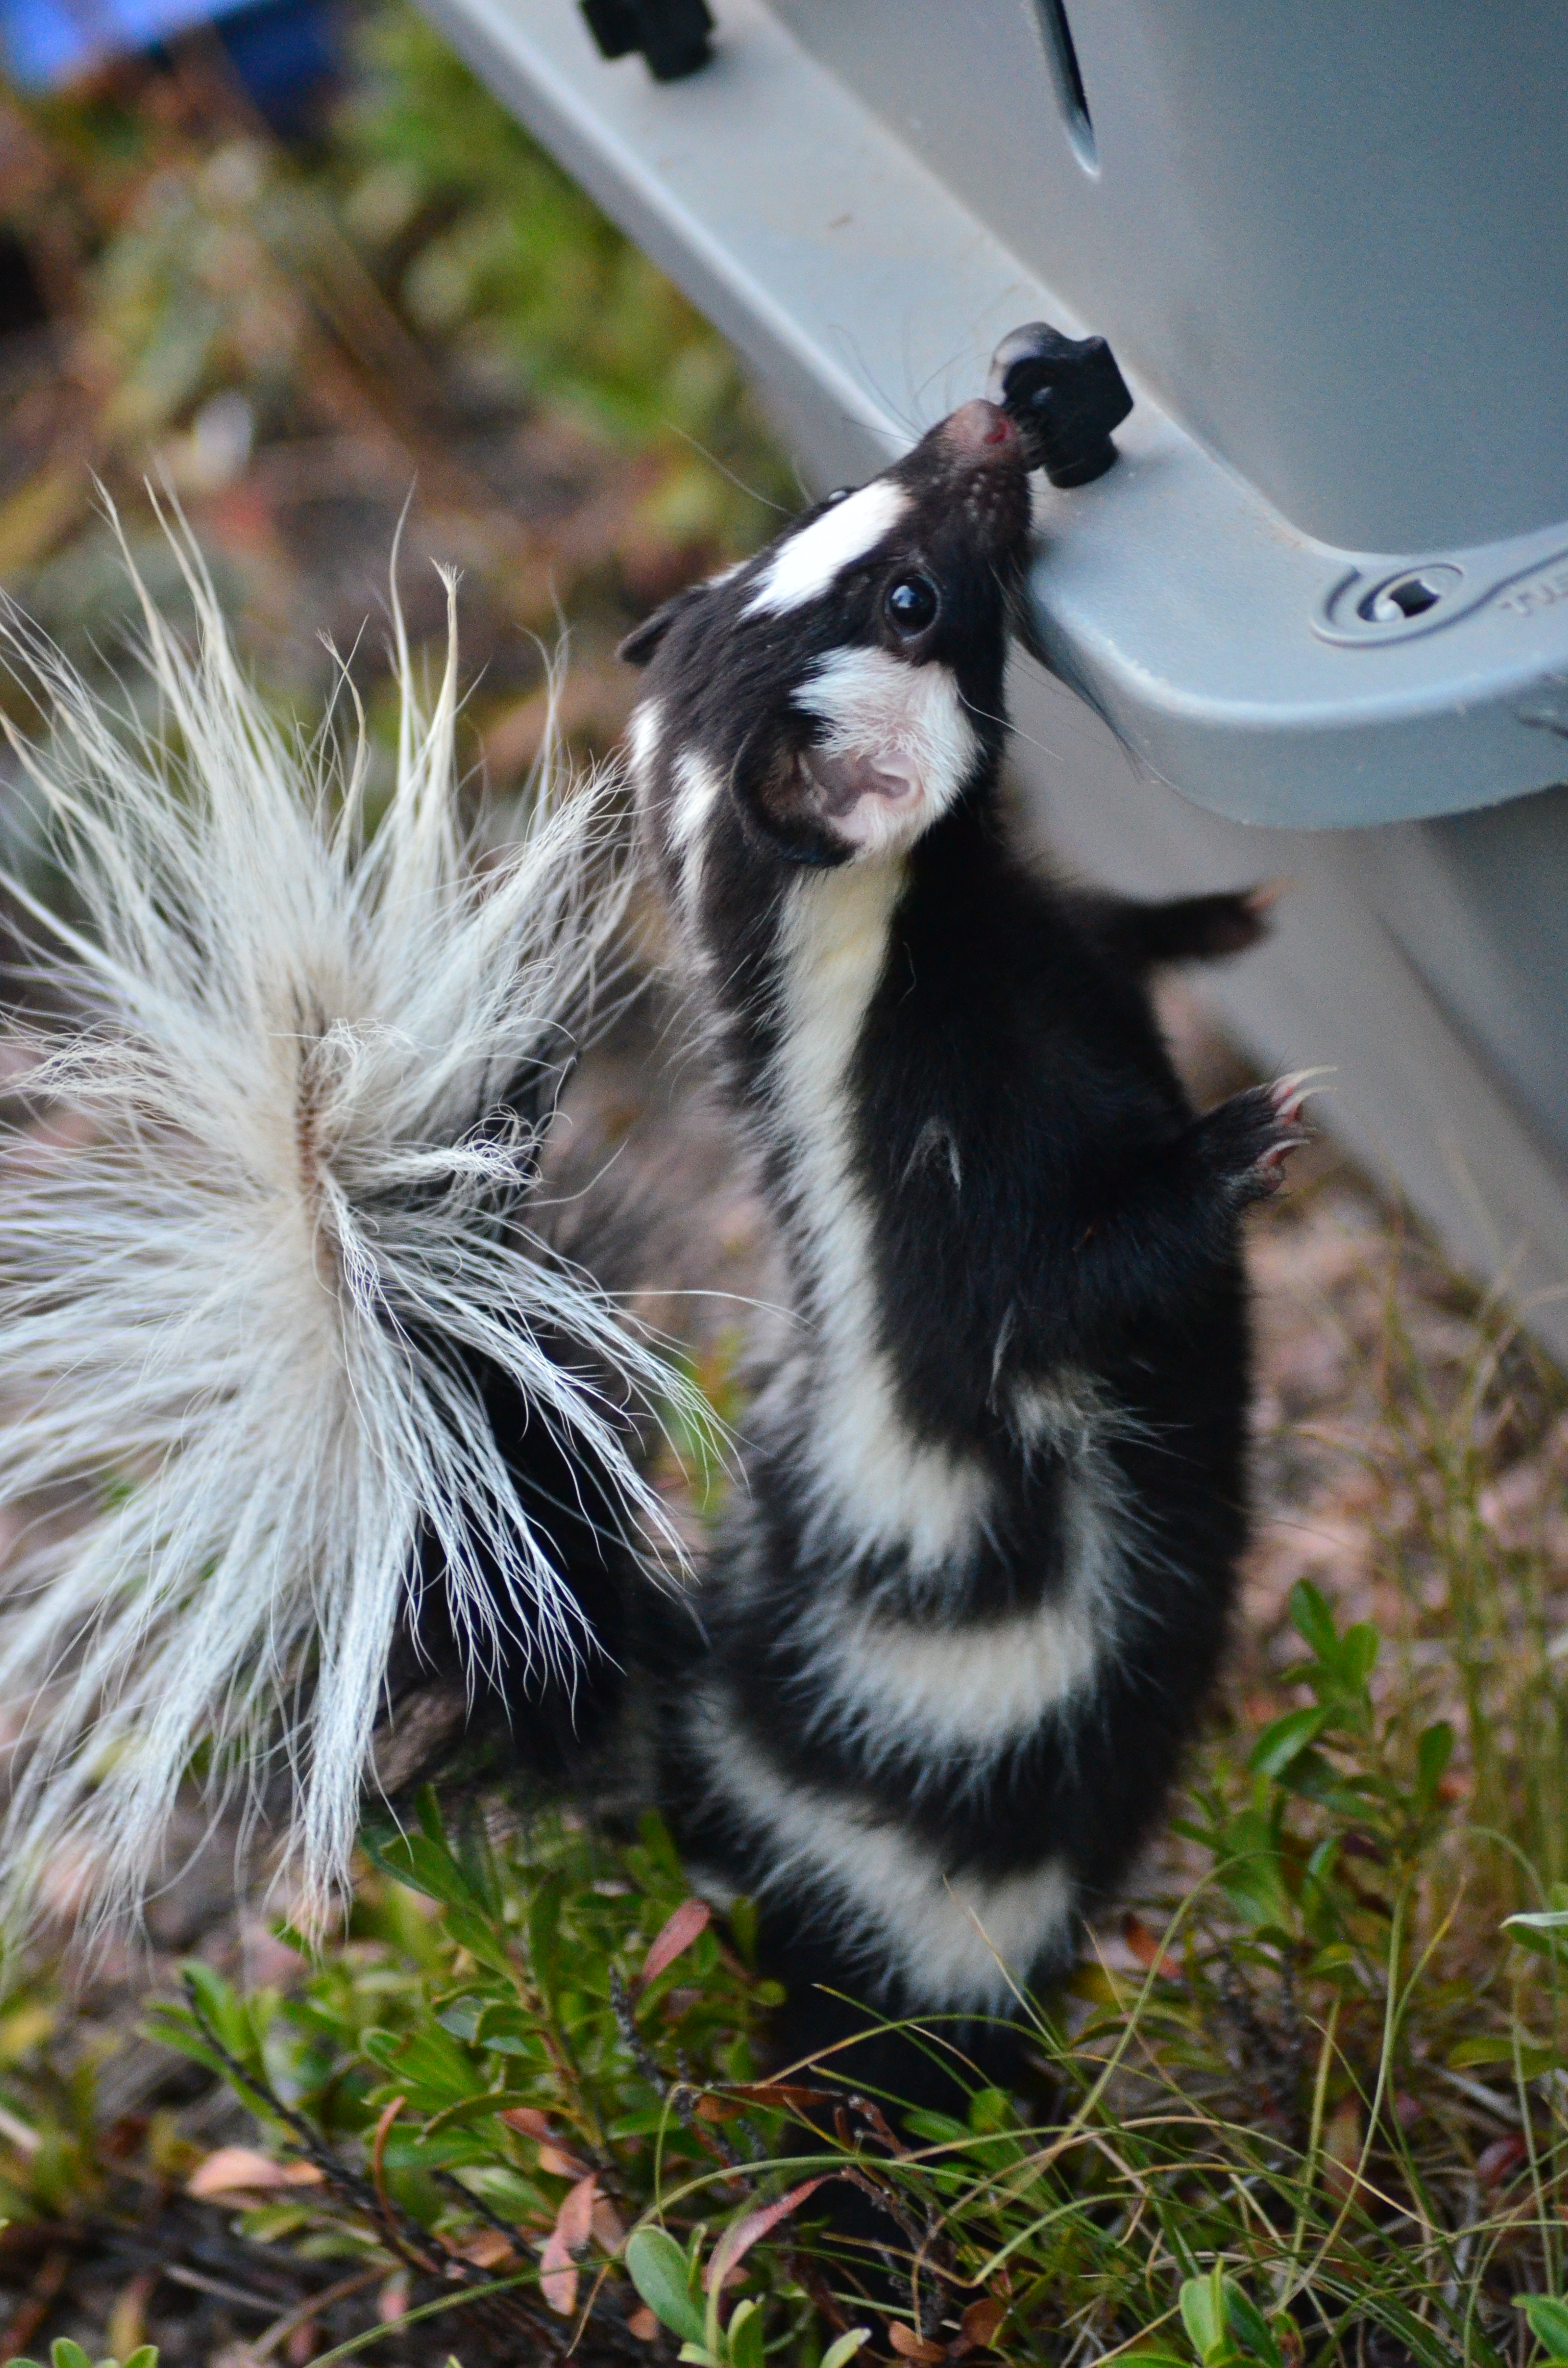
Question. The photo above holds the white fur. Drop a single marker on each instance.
(288, 1031)
(955, 1940)
(907, 726)
(805, 564)
(696, 791)
(935, 1140)
(642, 738)
(892, 1685)
(876, 1482)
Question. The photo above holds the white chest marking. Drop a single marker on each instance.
(805, 565)
(907, 724)
(878, 1484)
(956, 1940)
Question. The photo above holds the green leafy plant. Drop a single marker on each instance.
(685, 2297)
(63, 2353)
(513, 2056)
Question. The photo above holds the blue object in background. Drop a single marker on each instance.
(284, 53)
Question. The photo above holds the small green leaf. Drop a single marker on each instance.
(1250, 1872)
(175, 2026)
(544, 1926)
(743, 2336)
(224, 2012)
(427, 2064)
(1531, 2056)
(1249, 2326)
(941, 2128)
(424, 1865)
(1359, 1650)
(481, 1936)
(1203, 2314)
(742, 1917)
(66, 2354)
(657, 2267)
(1547, 2322)
(1313, 1622)
(840, 2352)
(1285, 1738)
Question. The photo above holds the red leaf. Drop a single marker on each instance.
(911, 2346)
(237, 2167)
(737, 2241)
(573, 2223)
(979, 2324)
(528, 2119)
(558, 2276)
(1498, 2160)
(608, 2226)
(575, 2220)
(782, 2093)
(692, 1917)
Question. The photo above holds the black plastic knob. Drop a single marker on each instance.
(1064, 395)
(672, 35)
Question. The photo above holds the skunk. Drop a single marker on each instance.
(290, 1354)
(943, 1656)
(298, 1371)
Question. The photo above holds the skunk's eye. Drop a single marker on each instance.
(911, 604)
(839, 494)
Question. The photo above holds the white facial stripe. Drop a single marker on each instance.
(906, 721)
(695, 794)
(697, 787)
(945, 1935)
(643, 736)
(806, 565)
(876, 1479)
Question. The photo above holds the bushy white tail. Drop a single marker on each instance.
(304, 1077)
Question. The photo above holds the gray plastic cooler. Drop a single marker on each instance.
(1315, 622)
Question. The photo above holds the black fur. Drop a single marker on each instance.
(1018, 1307)
(1043, 1221)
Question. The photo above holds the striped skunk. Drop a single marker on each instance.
(960, 1621)
(292, 1341)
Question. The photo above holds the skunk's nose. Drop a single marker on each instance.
(982, 431)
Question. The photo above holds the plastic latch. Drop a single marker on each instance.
(674, 36)
(1064, 395)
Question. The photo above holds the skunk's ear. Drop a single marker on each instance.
(644, 638)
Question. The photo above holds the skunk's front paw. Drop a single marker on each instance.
(1248, 1139)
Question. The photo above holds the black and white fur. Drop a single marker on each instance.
(289, 1335)
(298, 1378)
(963, 1614)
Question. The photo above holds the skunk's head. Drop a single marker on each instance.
(844, 688)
